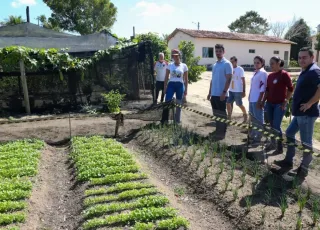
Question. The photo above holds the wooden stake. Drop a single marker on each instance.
(24, 86)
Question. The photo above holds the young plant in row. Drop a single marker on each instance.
(248, 201)
(283, 205)
(116, 178)
(302, 200)
(315, 211)
(235, 193)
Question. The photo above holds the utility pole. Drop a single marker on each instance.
(198, 25)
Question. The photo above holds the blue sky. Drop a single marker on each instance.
(163, 16)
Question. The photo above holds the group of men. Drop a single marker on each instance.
(228, 86)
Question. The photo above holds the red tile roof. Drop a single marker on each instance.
(230, 36)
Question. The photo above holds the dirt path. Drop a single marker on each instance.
(55, 202)
(202, 215)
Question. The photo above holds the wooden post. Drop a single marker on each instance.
(119, 122)
(24, 86)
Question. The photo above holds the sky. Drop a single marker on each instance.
(163, 16)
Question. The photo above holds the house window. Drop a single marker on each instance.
(276, 52)
(252, 51)
(207, 52)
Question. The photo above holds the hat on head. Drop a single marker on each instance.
(175, 52)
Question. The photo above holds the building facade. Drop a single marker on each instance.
(314, 50)
(244, 46)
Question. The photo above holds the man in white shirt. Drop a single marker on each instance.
(160, 68)
(237, 89)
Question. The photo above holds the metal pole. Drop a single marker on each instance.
(24, 86)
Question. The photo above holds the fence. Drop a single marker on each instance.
(130, 72)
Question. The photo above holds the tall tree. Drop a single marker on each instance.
(317, 46)
(13, 20)
(278, 28)
(299, 33)
(251, 22)
(48, 23)
(83, 16)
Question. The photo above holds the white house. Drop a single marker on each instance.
(244, 46)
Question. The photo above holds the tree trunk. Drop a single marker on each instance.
(317, 56)
(24, 86)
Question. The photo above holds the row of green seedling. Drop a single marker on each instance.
(118, 193)
(18, 164)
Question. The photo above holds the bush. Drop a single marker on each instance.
(113, 100)
(293, 63)
(195, 70)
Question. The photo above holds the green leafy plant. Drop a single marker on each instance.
(299, 223)
(302, 200)
(235, 193)
(206, 171)
(226, 185)
(315, 211)
(283, 205)
(248, 201)
(179, 191)
(243, 179)
(231, 175)
(268, 196)
(113, 100)
(217, 177)
(263, 216)
(221, 167)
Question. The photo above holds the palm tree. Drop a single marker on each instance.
(13, 20)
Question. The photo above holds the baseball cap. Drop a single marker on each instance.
(175, 52)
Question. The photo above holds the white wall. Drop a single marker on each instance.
(174, 42)
(240, 49)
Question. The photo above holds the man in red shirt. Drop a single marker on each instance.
(278, 92)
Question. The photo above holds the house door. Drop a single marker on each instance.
(286, 59)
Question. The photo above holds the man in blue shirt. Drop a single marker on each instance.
(305, 111)
(218, 92)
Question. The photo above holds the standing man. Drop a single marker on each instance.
(160, 68)
(218, 91)
(305, 111)
(237, 89)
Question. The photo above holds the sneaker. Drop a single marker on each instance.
(283, 164)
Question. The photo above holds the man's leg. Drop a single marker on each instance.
(230, 100)
(222, 110)
(157, 92)
(306, 125)
(239, 103)
(169, 96)
(162, 90)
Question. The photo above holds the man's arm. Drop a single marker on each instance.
(228, 82)
(313, 100)
(209, 94)
(185, 77)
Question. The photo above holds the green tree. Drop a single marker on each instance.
(158, 44)
(195, 70)
(299, 33)
(251, 22)
(12, 20)
(317, 46)
(48, 23)
(82, 16)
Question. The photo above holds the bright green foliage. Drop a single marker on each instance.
(148, 201)
(173, 223)
(118, 188)
(100, 161)
(12, 20)
(9, 206)
(195, 70)
(126, 195)
(142, 215)
(10, 218)
(144, 226)
(83, 16)
(18, 161)
(113, 100)
(121, 177)
(251, 22)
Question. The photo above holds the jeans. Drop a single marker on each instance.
(219, 109)
(159, 87)
(235, 97)
(305, 125)
(275, 115)
(257, 120)
(178, 89)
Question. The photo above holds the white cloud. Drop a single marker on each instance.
(18, 3)
(149, 9)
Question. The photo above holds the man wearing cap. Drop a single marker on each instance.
(218, 91)
(176, 82)
(160, 68)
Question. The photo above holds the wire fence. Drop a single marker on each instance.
(130, 72)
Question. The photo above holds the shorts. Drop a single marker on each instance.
(235, 96)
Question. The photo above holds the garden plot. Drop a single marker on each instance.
(244, 190)
(118, 194)
(18, 165)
